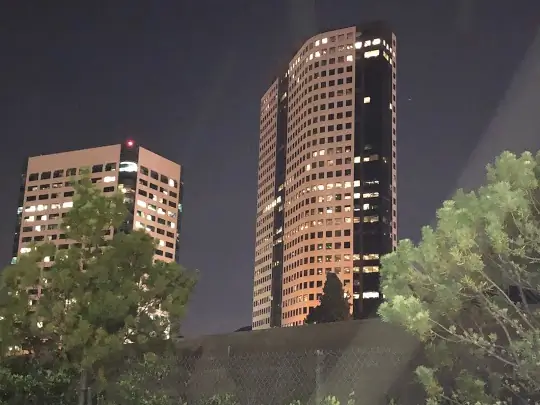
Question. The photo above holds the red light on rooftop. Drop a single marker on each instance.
(130, 143)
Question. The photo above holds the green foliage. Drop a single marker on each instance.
(330, 400)
(22, 381)
(334, 306)
(223, 399)
(142, 384)
(454, 290)
(102, 297)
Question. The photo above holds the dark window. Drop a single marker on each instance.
(164, 179)
(154, 175)
(97, 168)
(69, 194)
(144, 170)
(58, 173)
(45, 175)
(168, 255)
(71, 171)
(109, 167)
(43, 197)
(143, 193)
(153, 186)
(108, 189)
(31, 198)
(33, 177)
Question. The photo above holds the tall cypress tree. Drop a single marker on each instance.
(334, 306)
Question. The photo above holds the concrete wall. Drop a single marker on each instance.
(276, 366)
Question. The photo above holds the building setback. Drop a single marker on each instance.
(327, 175)
(151, 185)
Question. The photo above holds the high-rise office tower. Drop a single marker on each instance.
(151, 185)
(327, 175)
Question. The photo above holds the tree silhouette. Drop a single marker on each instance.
(334, 306)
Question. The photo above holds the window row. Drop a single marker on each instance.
(108, 167)
(155, 187)
(161, 177)
(155, 198)
(43, 197)
(48, 186)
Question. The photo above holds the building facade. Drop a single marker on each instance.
(327, 175)
(151, 184)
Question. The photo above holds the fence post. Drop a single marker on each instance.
(319, 358)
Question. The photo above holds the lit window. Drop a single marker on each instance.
(358, 45)
(371, 158)
(25, 250)
(367, 100)
(310, 56)
(141, 203)
(129, 167)
(109, 179)
(317, 43)
(368, 43)
(372, 54)
(308, 167)
(370, 219)
(356, 196)
(324, 40)
(376, 41)
(171, 182)
(370, 269)
(47, 259)
(370, 256)
(357, 159)
(370, 294)
(356, 183)
(67, 204)
(349, 58)
(317, 54)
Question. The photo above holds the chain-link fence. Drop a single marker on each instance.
(353, 375)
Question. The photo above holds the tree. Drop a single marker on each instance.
(104, 297)
(334, 305)
(469, 290)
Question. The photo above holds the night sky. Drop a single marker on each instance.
(184, 78)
